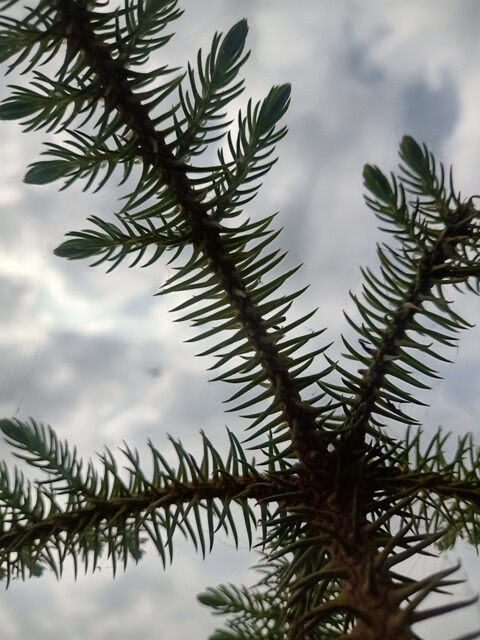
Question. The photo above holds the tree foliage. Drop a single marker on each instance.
(333, 502)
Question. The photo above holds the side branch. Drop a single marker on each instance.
(206, 232)
(85, 525)
(447, 485)
(436, 266)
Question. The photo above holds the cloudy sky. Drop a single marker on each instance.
(96, 355)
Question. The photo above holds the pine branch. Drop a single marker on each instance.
(77, 26)
(78, 509)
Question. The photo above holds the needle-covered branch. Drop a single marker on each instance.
(82, 510)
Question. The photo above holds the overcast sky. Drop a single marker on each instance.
(96, 355)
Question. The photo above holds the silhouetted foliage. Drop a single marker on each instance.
(333, 502)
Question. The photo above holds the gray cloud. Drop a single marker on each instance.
(430, 112)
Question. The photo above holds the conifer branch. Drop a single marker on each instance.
(77, 508)
(77, 29)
